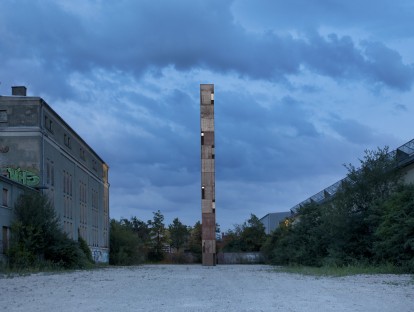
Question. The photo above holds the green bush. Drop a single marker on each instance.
(155, 256)
(395, 233)
(126, 247)
(37, 240)
(83, 245)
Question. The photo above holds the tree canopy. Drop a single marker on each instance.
(248, 236)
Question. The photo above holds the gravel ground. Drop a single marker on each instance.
(197, 288)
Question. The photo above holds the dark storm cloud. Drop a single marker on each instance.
(251, 146)
(353, 131)
(189, 34)
(339, 57)
(385, 65)
(383, 17)
(169, 146)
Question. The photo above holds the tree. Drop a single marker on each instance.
(158, 237)
(37, 238)
(253, 234)
(395, 233)
(195, 241)
(354, 214)
(126, 247)
(138, 227)
(35, 225)
(280, 246)
(345, 229)
(250, 236)
(178, 234)
(141, 230)
(232, 239)
(374, 181)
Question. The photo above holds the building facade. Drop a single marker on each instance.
(9, 193)
(271, 220)
(38, 149)
(208, 197)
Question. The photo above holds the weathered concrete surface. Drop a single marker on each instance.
(201, 288)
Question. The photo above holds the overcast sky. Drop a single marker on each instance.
(301, 87)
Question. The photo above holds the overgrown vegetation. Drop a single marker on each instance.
(134, 241)
(37, 240)
(247, 237)
(369, 222)
(125, 245)
(341, 270)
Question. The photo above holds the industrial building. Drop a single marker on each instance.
(39, 150)
(405, 162)
(271, 220)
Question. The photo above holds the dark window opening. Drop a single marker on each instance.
(82, 153)
(5, 233)
(3, 116)
(5, 197)
(203, 193)
(202, 138)
(67, 141)
(48, 124)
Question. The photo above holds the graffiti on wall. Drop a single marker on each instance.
(4, 149)
(100, 255)
(25, 177)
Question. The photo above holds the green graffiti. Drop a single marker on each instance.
(25, 177)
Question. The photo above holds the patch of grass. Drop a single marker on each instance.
(44, 267)
(339, 271)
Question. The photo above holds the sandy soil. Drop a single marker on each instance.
(197, 288)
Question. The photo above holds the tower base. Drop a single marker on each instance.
(209, 259)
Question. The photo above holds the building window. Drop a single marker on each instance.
(203, 192)
(67, 141)
(202, 138)
(67, 183)
(50, 172)
(5, 197)
(67, 198)
(5, 243)
(82, 154)
(3, 116)
(83, 205)
(95, 218)
(94, 165)
(48, 124)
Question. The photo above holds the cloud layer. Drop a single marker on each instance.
(300, 89)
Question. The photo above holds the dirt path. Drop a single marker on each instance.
(197, 288)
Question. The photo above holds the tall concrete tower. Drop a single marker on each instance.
(208, 198)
